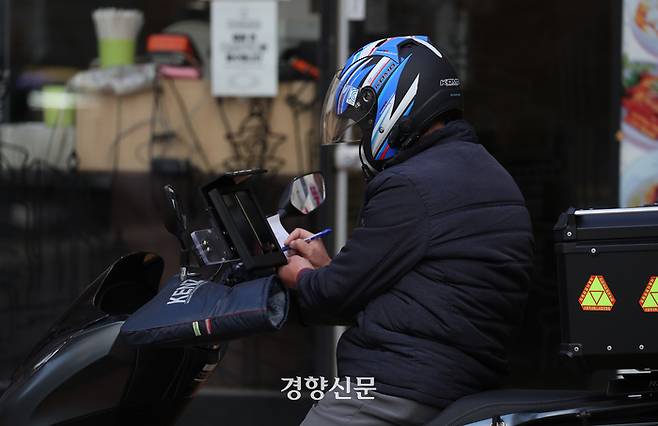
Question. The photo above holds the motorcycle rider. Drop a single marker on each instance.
(434, 278)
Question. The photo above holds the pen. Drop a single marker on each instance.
(311, 238)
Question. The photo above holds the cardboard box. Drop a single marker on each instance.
(113, 133)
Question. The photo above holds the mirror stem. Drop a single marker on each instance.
(184, 263)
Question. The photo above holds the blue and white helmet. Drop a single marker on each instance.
(388, 94)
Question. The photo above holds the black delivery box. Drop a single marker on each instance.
(607, 263)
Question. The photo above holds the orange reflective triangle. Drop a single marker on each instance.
(649, 299)
(596, 295)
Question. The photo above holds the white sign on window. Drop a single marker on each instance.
(244, 48)
(356, 9)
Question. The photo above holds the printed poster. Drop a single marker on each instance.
(244, 35)
(638, 168)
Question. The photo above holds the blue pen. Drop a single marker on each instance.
(311, 238)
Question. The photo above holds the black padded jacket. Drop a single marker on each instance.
(434, 279)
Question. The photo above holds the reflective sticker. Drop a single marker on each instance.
(649, 299)
(351, 95)
(195, 327)
(596, 295)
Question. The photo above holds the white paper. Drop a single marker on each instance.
(244, 48)
(279, 231)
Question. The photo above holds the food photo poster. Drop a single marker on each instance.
(638, 168)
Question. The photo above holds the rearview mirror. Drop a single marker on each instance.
(303, 195)
(175, 219)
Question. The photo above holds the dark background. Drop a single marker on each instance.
(541, 82)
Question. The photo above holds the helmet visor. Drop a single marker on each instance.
(343, 113)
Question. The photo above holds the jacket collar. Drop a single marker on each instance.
(453, 131)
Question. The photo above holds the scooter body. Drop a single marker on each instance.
(81, 374)
(515, 407)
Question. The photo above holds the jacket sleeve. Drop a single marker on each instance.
(390, 241)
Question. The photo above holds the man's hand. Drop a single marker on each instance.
(288, 274)
(313, 251)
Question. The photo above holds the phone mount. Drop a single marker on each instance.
(239, 233)
(239, 220)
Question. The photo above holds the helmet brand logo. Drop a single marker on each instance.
(450, 82)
